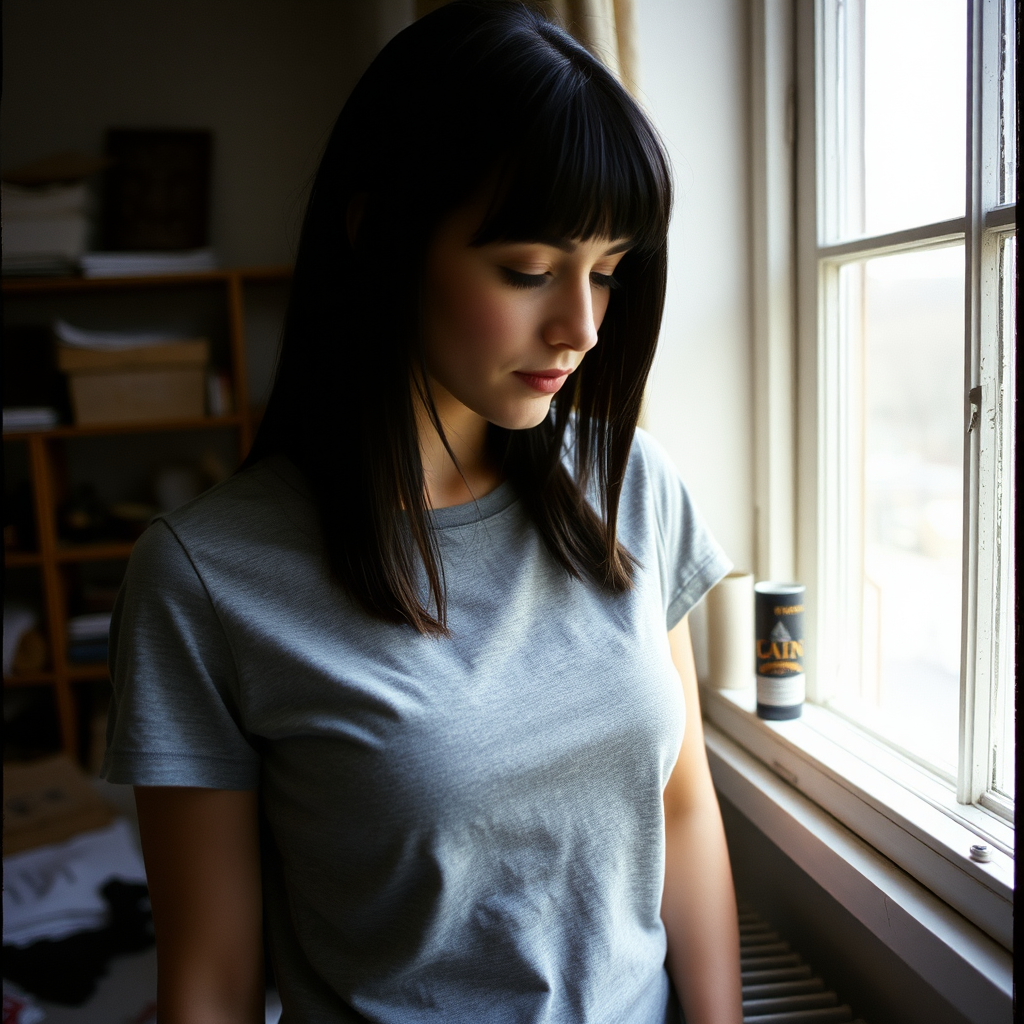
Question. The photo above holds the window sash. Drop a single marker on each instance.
(829, 552)
(984, 534)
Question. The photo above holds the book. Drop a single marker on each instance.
(156, 191)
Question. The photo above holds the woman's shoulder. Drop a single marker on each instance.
(254, 507)
(651, 472)
(649, 454)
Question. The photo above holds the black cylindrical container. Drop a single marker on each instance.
(779, 649)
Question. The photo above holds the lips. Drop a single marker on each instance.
(547, 382)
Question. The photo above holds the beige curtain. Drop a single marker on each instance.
(605, 27)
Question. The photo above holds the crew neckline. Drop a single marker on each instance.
(503, 496)
(490, 504)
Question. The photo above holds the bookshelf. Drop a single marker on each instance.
(47, 456)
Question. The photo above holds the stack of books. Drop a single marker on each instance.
(45, 228)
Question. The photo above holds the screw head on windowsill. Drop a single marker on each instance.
(981, 852)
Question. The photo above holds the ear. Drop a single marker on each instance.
(354, 215)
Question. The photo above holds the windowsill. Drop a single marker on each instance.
(898, 809)
(954, 957)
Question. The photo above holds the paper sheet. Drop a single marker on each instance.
(54, 891)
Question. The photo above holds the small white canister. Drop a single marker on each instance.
(730, 606)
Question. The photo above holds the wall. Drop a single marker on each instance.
(267, 76)
(694, 81)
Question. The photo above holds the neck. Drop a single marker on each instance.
(473, 474)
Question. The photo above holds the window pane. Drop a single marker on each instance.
(909, 327)
(902, 100)
(1003, 705)
(1008, 104)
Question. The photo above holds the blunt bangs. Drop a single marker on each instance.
(584, 163)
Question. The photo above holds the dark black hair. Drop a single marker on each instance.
(479, 95)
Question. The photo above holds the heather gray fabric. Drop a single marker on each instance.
(458, 830)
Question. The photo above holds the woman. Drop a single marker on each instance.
(408, 693)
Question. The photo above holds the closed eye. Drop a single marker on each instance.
(605, 281)
(518, 279)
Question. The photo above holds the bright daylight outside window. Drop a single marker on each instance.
(917, 271)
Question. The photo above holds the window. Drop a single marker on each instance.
(902, 173)
(914, 345)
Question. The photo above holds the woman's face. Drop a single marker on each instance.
(507, 322)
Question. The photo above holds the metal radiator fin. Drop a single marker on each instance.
(778, 987)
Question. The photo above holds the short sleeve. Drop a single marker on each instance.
(691, 560)
(174, 718)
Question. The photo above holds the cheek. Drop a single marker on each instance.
(492, 326)
(477, 321)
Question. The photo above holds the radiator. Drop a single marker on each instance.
(778, 987)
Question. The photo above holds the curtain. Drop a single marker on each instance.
(605, 27)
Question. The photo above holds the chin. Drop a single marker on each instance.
(523, 418)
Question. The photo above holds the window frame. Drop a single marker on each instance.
(923, 822)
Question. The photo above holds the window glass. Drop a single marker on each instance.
(1008, 105)
(905, 325)
(1003, 705)
(904, 67)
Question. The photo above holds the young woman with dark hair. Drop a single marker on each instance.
(413, 693)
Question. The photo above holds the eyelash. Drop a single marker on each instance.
(520, 280)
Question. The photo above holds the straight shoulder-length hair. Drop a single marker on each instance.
(482, 98)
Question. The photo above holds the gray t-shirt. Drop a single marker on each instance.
(466, 829)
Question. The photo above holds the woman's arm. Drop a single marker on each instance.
(201, 848)
(699, 904)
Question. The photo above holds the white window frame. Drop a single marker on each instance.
(906, 813)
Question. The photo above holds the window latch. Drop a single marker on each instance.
(974, 397)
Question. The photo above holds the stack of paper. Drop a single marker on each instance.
(54, 891)
(45, 228)
(88, 637)
(146, 264)
(110, 341)
(18, 620)
(30, 417)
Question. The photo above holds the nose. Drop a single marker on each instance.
(572, 321)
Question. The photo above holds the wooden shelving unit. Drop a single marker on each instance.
(46, 467)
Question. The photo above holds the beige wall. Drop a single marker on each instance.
(694, 80)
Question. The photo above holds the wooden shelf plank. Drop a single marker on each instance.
(236, 318)
(16, 559)
(43, 285)
(30, 679)
(82, 673)
(100, 552)
(102, 429)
